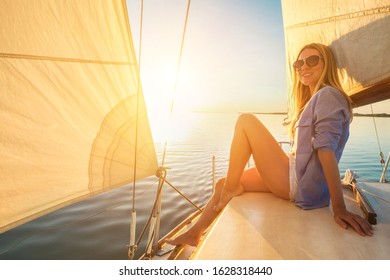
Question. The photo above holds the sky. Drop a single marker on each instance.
(233, 57)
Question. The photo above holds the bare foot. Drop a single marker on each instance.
(185, 238)
(227, 195)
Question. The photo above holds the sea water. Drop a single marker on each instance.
(98, 228)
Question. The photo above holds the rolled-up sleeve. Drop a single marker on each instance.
(331, 113)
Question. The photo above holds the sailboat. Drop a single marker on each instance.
(74, 122)
(262, 226)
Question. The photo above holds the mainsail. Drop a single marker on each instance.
(357, 31)
(69, 100)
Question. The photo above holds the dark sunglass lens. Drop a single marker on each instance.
(312, 60)
(298, 64)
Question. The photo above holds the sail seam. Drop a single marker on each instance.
(364, 13)
(62, 59)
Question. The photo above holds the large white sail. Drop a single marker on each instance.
(358, 32)
(69, 83)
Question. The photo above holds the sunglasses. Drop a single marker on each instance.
(311, 61)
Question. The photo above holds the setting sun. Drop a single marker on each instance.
(226, 66)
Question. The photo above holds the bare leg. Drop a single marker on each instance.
(193, 235)
(270, 174)
(251, 181)
(252, 138)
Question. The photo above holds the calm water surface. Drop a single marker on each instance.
(98, 228)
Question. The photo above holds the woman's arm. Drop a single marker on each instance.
(341, 215)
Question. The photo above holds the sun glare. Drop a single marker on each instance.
(171, 127)
(169, 76)
(168, 103)
(163, 84)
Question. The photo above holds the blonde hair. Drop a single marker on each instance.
(301, 94)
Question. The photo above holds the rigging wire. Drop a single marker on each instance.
(137, 106)
(154, 218)
(381, 155)
(177, 75)
(161, 173)
(153, 208)
(377, 137)
(132, 247)
(382, 160)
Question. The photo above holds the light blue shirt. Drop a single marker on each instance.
(324, 124)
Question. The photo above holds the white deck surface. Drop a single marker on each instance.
(262, 226)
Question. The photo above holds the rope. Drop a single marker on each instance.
(377, 196)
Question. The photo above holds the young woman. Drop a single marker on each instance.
(320, 114)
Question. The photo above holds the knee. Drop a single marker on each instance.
(245, 119)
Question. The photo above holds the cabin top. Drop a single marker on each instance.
(262, 226)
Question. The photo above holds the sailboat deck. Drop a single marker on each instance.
(262, 226)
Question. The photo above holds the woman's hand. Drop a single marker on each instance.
(341, 215)
(360, 225)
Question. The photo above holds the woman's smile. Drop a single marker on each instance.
(309, 76)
